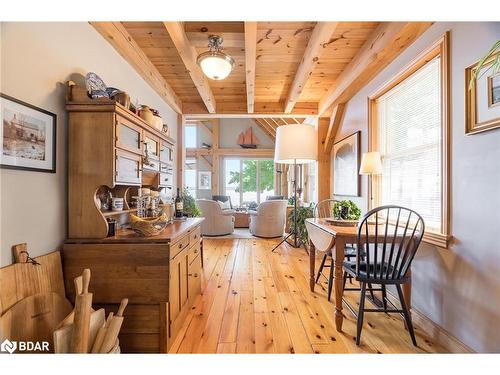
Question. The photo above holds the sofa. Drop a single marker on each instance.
(269, 219)
(218, 222)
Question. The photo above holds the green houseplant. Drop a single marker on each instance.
(303, 213)
(353, 211)
(495, 66)
(190, 207)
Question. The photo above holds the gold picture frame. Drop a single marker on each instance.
(472, 124)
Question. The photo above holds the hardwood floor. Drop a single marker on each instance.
(255, 301)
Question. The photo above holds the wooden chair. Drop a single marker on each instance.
(390, 236)
(321, 210)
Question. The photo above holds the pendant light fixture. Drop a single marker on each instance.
(214, 63)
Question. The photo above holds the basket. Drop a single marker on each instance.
(150, 226)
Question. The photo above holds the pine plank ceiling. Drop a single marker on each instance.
(290, 77)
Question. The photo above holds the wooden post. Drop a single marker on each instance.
(323, 173)
(215, 157)
(181, 152)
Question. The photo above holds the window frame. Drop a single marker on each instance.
(241, 160)
(438, 48)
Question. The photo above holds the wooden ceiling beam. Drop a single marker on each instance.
(250, 60)
(261, 109)
(265, 129)
(189, 55)
(334, 125)
(385, 44)
(125, 45)
(320, 37)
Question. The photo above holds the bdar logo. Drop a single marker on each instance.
(8, 346)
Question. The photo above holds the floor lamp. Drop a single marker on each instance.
(295, 144)
(371, 165)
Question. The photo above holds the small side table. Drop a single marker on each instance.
(241, 219)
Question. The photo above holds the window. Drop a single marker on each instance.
(190, 136)
(190, 176)
(409, 128)
(248, 181)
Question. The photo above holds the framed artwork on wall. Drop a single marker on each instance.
(204, 180)
(346, 157)
(28, 136)
(482, 98)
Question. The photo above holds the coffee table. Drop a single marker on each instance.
(241, 219)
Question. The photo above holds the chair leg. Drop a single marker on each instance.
(384, 297)
(371, 291)
(330, 281)
(321, 267)
(345, 278)
(406, 314)
(361, 312)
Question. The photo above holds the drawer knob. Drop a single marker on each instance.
(196, 251)
(180, 245)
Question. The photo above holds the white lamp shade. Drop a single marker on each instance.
(371, 163)
(296, 143)
(216, 67)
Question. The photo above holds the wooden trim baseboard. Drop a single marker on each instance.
(437, 333)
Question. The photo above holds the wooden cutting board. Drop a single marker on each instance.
(34, 318)
(62, 336)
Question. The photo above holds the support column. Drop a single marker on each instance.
(323, 172)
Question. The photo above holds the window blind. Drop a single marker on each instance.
(409, 130)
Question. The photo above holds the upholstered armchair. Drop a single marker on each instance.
(269, 219)
(217, 222)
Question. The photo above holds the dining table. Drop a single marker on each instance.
(324, 236)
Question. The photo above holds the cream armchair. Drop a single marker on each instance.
(269, 219)
(217, 222)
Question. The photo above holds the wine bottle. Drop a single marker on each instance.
(179, 205)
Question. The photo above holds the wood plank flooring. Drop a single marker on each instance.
(255, 301)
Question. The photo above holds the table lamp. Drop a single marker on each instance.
(371, 164)
(295, 144)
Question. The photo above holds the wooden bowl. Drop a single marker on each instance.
(148, 227)
(342, 223)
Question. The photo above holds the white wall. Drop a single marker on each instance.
(458, 288)
(36, 60)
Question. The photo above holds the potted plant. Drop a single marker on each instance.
(495, 66)
(346, 210)
(190, 207)
(303, 213)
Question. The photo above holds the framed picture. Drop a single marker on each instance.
(204, 180)
(28, 136)
(482, 109)
(346, 157)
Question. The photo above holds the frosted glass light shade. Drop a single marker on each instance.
(296, 143)
(371, 163)
(216, 65)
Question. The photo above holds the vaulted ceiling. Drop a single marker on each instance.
(300, 68)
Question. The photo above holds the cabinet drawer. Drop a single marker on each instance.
(194, 236)
(152, 144)
(128, 168)
(166, 179)
(166, 152)
(193, 252)
(128, 135)
(178, 246)
(166, 168)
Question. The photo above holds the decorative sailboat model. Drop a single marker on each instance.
(247, 139)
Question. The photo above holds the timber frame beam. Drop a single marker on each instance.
(250, 60)
(386, 43)
(189, 55)
(333, 127)
(319, 40)
(124, 44)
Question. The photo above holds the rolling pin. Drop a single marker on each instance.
(113, 329)
(81, 323)
(71, 316)
(96, 347)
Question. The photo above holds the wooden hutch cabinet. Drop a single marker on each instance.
(110, 146)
